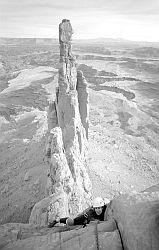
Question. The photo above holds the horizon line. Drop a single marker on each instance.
(95, 38)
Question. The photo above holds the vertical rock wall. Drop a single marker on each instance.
(83, 100)
(69, 188)
(137, 218)
(68, 123)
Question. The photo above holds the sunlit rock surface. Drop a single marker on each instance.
(72, 122)
(123, 137)
(103, 236)
(137, 217)
(66, 149)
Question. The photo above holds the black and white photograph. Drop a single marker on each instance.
(79, 125)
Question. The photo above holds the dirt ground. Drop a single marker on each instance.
(118, 162)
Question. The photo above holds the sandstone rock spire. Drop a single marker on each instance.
(65, 37)
(72, 119)
(69, 185)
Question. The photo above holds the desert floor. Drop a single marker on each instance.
(123, 145)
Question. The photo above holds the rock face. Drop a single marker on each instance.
(66, 150)
(83, 100)
(132, 224)
(65, 36)
(137, 217)
(68, 169)
(52, 116)
(103, 236)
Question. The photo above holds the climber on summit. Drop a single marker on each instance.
(93, 213)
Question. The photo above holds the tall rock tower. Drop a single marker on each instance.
(69, 188)
(69, 181)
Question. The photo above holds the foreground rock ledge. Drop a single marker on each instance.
(103, 236)
(137, 217)
(133, 224)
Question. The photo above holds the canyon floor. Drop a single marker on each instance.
(123, 145)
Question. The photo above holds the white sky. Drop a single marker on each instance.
(129, 19)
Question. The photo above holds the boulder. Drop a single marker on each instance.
(46, 210)
(39, 212)
(137, 217)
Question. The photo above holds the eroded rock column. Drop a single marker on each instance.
(71, 106)
(70, 120)
(69, 188)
